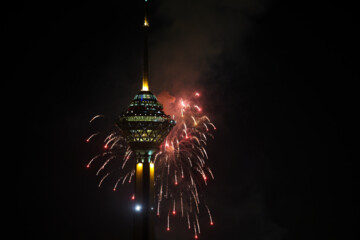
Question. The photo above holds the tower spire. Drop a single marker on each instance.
(145, 85)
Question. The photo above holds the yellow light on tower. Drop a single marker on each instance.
(151, 174)
(151, 171)
(146, 23)
(139, 169)
(152, 183)
(139, 179)
(145, 86)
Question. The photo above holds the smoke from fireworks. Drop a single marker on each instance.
(181, 166)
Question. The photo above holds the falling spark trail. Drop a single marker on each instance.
(161, 193)
(195, 229)
(103, 178)
(213, 125)
(205, 153)
(175, 178)
(125, 178)
(211, 221)
(174, 212)
(211, 174)
(109, 136)
(197, 221)
(131, 175)
(97, 116)
(114, 143)
(195, 123)
(110, 140)
(188, 220)
(103, 166)
(117, 183)
(190, 162)
(168, 223)
(181, 203)
(88, 165)
(126, 158)
(158, 209)
(93, 135)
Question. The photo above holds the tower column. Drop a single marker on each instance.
(144, 195)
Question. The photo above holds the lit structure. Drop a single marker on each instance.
(144, 126)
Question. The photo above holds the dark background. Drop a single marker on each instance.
(282, 96)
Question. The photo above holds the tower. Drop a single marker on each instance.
(144, 125)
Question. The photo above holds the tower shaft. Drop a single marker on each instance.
(144, 195)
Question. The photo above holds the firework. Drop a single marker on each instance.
(181, 164)
(182, 169)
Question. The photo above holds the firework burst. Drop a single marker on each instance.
(182, 169)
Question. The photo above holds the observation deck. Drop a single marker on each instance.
(144, 124)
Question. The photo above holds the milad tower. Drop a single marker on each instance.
(144, 125)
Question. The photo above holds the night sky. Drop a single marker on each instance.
(277, 79)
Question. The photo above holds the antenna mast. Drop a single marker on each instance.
(145, 85)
